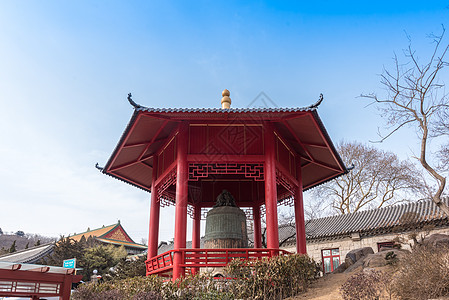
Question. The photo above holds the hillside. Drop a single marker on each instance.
(6, 240)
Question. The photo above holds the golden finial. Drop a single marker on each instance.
(225, 101)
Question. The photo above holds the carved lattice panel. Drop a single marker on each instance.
(287, 201)
(288, 197)
(166, 202)
(285, 182)
(249, 170)
(204, 211)
(249, 213)
(263, 211)
(162, 192)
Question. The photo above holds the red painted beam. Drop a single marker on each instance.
(315, 162)
(316, 146)
(321, 181)
(112, 170)
(124, 142)
(131, 181)
(152, 140)
(325, 141)
(143, 143)
(221, 158)
(286, 173)
(165, 173)
(301, 144)
(32, 276)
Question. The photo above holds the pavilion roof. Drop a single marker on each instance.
(98, 232)
(149, 128)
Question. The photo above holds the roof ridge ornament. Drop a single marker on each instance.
(98, 167)
(131, 101)
(225, 101)
(316, 104)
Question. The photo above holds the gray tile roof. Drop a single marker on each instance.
(395, 218)
(31, 255)
(380, 220)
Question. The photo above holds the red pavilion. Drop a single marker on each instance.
(264, 157)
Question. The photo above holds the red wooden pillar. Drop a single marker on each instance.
(155, 206)
(182, 177)
(66, 287)
(257, 227)
(299, 216)
(196, 232)
(270, 188)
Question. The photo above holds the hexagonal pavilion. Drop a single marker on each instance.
(185, 157)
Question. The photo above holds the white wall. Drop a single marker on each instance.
(347, 244)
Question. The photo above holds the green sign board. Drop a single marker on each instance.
(69, 263)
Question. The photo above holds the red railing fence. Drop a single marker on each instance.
(201, 258)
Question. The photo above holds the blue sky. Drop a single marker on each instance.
(67, 66)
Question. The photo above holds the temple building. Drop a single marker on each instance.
(112, 235)
(330, 238)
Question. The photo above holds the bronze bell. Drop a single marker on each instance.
(226, 224)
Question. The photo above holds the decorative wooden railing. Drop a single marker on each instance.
(162, 264)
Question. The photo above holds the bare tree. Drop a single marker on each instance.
(443, 156)
(442, 129)
(416, 97)
(287, 229)
(379, 178)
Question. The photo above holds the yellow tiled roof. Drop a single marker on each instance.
(94, 233)
(116, 235)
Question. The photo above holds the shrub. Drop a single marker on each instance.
(391, 258)
(423, 274)
(368, 284)
(275, 278)
(94, 291)
(147, 296)
(127, 269)
(125, 289)
(200, 287)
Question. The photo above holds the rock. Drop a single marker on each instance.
(340, 269)
(358, 266)
(366, 258)
(437, 239)
(375, 260)
(383, 258)
(354, 255)
(352, 260)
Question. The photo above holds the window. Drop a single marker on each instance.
(331, 259)
(388, 245)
